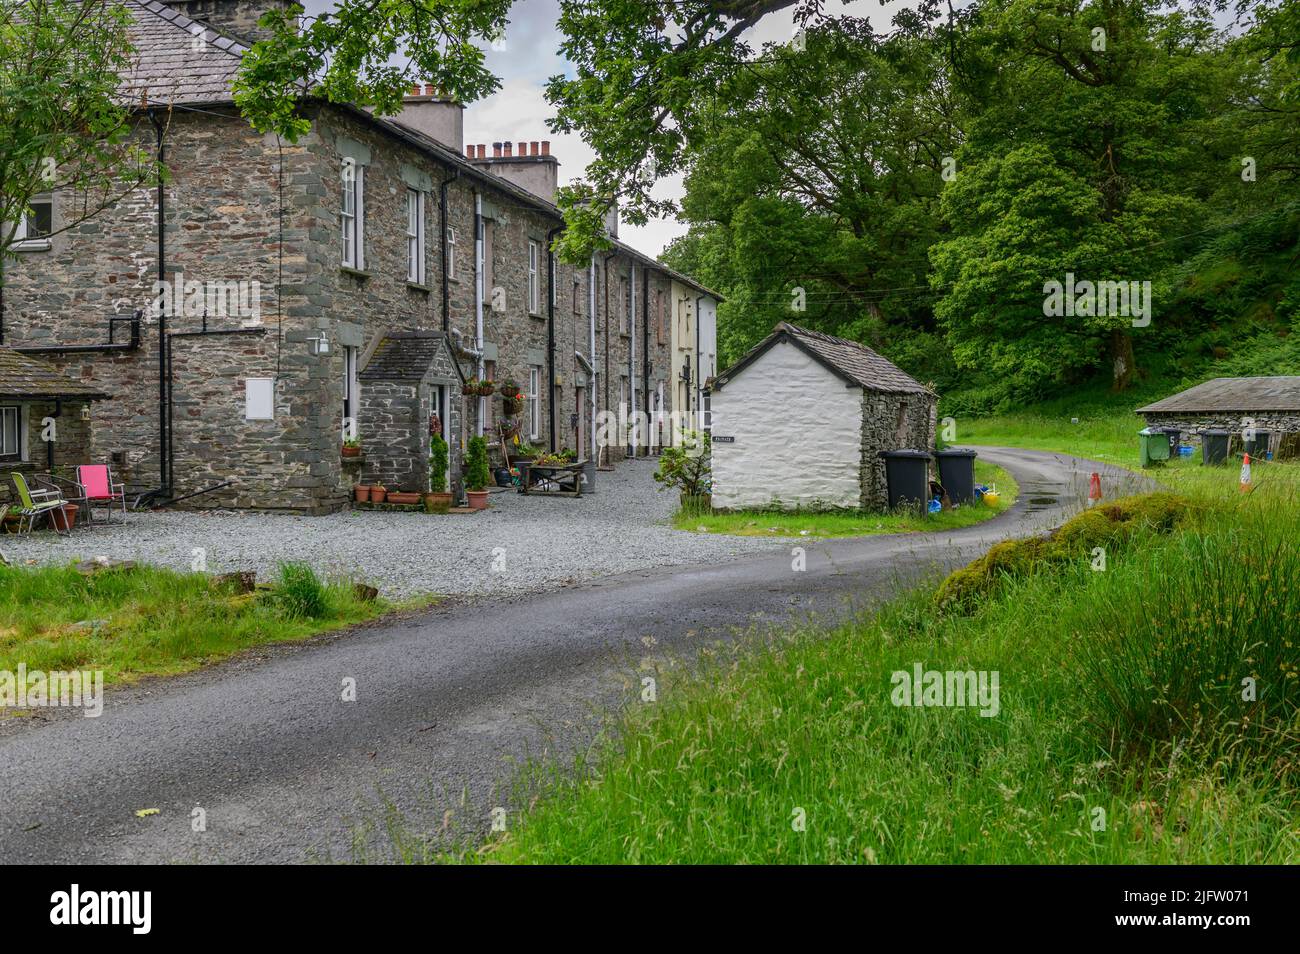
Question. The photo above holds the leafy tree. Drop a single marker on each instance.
(65, 126)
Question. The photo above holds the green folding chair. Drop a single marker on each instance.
(36, 503)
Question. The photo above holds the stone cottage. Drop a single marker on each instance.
(262, 274)
(1236, 405)
(800, 420)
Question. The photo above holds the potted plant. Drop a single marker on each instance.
(403, 497)
(378, 493)
(361, 492)
(486, 388)
(470, 387)
(687, 469)
(437, 500)
(512, 398)
(352, 447)
(477, 474)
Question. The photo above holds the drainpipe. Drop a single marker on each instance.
(442, 223)
(605, 266)
(591, 314)
(164, 435)
(550, 329)
(478, 300)
(631, 356)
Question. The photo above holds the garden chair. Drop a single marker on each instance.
(35, 503)
(97, 479)
(70, 490)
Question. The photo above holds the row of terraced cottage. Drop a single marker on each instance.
(363, 274)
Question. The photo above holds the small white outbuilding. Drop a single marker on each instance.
(800, 420)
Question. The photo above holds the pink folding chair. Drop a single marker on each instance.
(97, 480)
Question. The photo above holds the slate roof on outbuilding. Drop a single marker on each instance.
(26, 378)
(851, 360)
(1235, 395)
(404, 356)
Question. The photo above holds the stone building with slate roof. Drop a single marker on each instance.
(45, 417)
(800, 420)
(287, 263)
(1236, 405)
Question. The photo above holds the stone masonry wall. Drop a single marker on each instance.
(71, 443)
(892, 422)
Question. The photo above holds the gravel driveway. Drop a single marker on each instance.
(522, 544)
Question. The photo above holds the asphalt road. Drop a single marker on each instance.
(447, 703)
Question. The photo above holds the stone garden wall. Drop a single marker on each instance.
(892, 422)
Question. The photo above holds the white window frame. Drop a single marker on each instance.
(17, 451)
(22, 236)
(415, 237)
(534, 296)
(353, 215)
(451, 253)
(351, 392)
(534, 402)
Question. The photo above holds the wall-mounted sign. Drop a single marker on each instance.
(718, 439)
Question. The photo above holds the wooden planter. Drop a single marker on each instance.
(437, 503)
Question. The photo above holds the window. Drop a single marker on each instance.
(451, 254)
(37, 224)
(415, 236)
(11, 432)
(534, 404)
(577, 297)
(351, 393)
(533, 296)
(625, 302)
(353, 216)
(659, 316)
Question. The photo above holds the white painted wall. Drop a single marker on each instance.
(707, 359)
(798, 431)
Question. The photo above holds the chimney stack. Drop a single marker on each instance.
(425, 111)
(496, 150)
(531, 167)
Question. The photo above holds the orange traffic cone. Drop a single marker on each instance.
(1094, 489)
(1245, 474)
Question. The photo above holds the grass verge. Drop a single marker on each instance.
(152, 621)
(786, 523)
(1147, 713)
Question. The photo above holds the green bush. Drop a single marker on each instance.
(477, 473)
(437, 464)
(300, 593)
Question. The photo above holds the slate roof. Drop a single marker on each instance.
(403, 356)
(167, 69)
(25, 378)
(1233, 395)
(852, 361)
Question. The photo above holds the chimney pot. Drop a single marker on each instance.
(546, 147)
(532, 148)
(469, 152)
(482, 151)
(509, 148)
(496, 150)
(415, 90)
(430, 90)
(523, 149)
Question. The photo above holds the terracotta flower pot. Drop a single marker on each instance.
(403, 497)
(437, 503)
(377, 494)
(478, 499)
(361, 492)
(65, 517)
(351, 451)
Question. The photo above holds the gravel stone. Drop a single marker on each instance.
(534, 543)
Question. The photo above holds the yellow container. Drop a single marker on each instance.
(991, 497)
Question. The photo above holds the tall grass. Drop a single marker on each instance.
(1121, 736)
